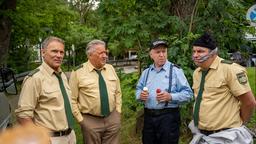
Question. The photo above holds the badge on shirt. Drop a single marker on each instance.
(241, 78)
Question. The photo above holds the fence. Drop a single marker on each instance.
(124, 62)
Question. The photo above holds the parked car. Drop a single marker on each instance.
(237, 57)
(249, 61)
(5, 112)
(7, 86)
(253, 60)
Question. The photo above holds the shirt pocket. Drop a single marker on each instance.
(214, 87)
(111, 83)
(50, 95)
(89, 86)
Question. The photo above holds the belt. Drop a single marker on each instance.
(94, 115)
(61, 133)
(157, 112)
(206, 132)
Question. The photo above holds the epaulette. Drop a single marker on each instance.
(226, 61)
(78, 67)
(33, 72)
(176, 66)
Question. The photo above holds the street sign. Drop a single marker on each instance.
(251, 15)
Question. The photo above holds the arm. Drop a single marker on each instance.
(73, 83)
(239, 86)
(24, 121)
(140, 94)
(248, 105)
(182, 93)
(118, 93)
(28, 100)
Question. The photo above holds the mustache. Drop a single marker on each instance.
(205, 57)
(202, 59)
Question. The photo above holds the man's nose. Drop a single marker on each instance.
(105, 55)
(59, 54)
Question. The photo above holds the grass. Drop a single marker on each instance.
(79, 134)
(251, 72)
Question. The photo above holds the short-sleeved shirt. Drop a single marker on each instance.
(220, 106)
(84, 83)
(160, 79)
(41, 99)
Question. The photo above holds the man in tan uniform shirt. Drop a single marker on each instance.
(227, 101)
(41, 101)
(87, 105)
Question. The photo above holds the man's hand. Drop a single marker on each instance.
(24, 121)
(163, 96)
(81, 123)
(144, 95)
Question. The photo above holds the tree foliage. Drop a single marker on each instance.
(133, 24)
(34, 20)
(128, 24)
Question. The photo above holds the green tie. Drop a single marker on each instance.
(103, 95)
(68, 111)
(199, 98)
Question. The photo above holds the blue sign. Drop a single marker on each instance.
(251, 15)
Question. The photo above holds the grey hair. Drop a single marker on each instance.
(214, 51)
(90, 46)
(51, 39)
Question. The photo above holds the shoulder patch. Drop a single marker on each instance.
(226, 61)
(33, 72)
(176, 66)
(78, 67)
(241, 77)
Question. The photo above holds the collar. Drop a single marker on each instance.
(92, 68)
(214, 64)
(165, 67)
(49, 70)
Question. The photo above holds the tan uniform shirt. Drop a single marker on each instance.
(220, 107)
(85, 90)
(41, 99)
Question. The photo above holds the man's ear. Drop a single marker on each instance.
(150, 54)
(43, 52)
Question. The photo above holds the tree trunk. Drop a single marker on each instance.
(5, 28)
(182, 8)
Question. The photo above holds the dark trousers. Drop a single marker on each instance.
(162, 128)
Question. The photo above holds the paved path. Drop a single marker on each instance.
(130, 69)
